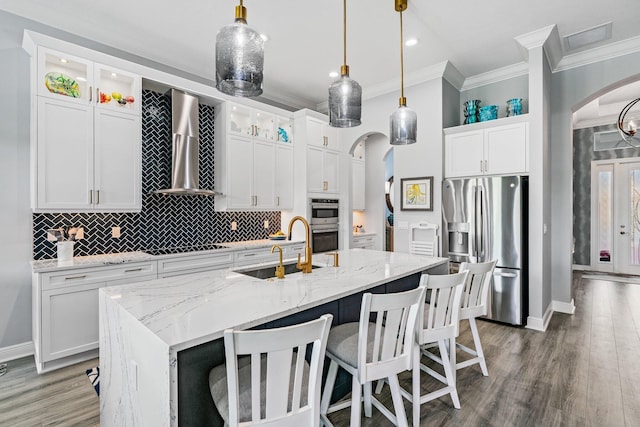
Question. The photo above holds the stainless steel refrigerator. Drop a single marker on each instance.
(486, 219)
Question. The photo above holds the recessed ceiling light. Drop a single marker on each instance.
(411, 42)
(334, 74)
(264, 37)
(64, 61)
(114, 75)
(81, 79)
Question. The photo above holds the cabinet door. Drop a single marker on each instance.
(239, 120)
(331, 137)
(331, 171)
(315, 174)
(69, 321)
(464, 154)
(315, 135)
(120, 90)
(264, 167)
(65, 155)
(358, 185)
(284, 130)
(264, 126)
(239, 172)
(284, 177)
(64, 77)
(117, 161)
(506, 149)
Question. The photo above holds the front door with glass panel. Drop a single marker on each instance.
(616, 216)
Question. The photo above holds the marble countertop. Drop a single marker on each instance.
(188, 310)
(49, 265)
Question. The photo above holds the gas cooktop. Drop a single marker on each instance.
(183, 249)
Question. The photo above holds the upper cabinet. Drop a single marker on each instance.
(488, 149)
(88, 136)
(254, 159)
(322, 157)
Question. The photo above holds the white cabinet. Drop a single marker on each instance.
(254, 160)
(491, 150)
(322, 157)
(88, 145)
(187, 264)
(367, 241)
(358, 184)
(65, 310)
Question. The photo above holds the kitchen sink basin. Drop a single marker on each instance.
(270, 271)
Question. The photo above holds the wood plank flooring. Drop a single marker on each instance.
(584, 370)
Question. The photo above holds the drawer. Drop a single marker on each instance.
(255, 256)
(193, 263)
(98, 274)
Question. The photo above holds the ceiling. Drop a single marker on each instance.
(306, 36)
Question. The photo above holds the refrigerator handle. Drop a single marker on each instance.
(481, 219)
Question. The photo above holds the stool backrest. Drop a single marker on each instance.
(272, 401)
(476, 289)
(443, 311)
(423, 239)
(390, 348)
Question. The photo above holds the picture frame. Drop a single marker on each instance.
(416, 194)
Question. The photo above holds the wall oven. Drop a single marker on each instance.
(324, 225)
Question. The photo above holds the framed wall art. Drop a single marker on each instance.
(416, 194)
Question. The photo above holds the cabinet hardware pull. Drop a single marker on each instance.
(97, 95)
(246, 255)
(131, 270)
(90, 93)
(277, 200)
(90, 197)
(75, 277)
(485, 166)
(97, 197)
(481, 166)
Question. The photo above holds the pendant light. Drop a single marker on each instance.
(403, 122)
(239, 58)
(628, 126)
(345, 94)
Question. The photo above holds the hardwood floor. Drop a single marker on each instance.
(584, 370)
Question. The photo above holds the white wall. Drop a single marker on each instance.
(424, 158)
(569, 89)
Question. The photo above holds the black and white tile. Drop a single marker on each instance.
(164, 221)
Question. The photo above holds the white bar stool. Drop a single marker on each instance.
(275, 386)
(373, 351)
(474, 304)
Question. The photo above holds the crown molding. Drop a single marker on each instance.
(598, 54)
(279, 96)
(453, 76)
(497, 75)
(534, 39)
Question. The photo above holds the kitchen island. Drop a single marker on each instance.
(159, 339)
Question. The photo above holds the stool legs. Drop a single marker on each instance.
(478, 345)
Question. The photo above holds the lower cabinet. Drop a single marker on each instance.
(364, 242)
(65, 311)
(177, 266)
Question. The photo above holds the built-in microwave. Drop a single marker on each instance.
(324, 211)
(324, 237)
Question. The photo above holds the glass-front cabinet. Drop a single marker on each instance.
(251, 123)
(66, 77)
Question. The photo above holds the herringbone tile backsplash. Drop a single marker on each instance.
(164, 221)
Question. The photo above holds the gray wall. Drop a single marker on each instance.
(498, 93)
(583, 155)
(15, 213)
(570, 90)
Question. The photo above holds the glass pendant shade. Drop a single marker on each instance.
(345, 102)
(403, 126)
(239, 60)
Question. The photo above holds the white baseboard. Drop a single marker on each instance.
(564, 307)
(16, 351)
(540, 324)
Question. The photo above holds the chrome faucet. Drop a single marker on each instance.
(305, 266)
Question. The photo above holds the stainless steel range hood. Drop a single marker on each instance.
(185, 145)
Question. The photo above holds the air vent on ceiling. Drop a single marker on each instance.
(587, 37)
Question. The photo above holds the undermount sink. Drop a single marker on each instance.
(270, 271)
